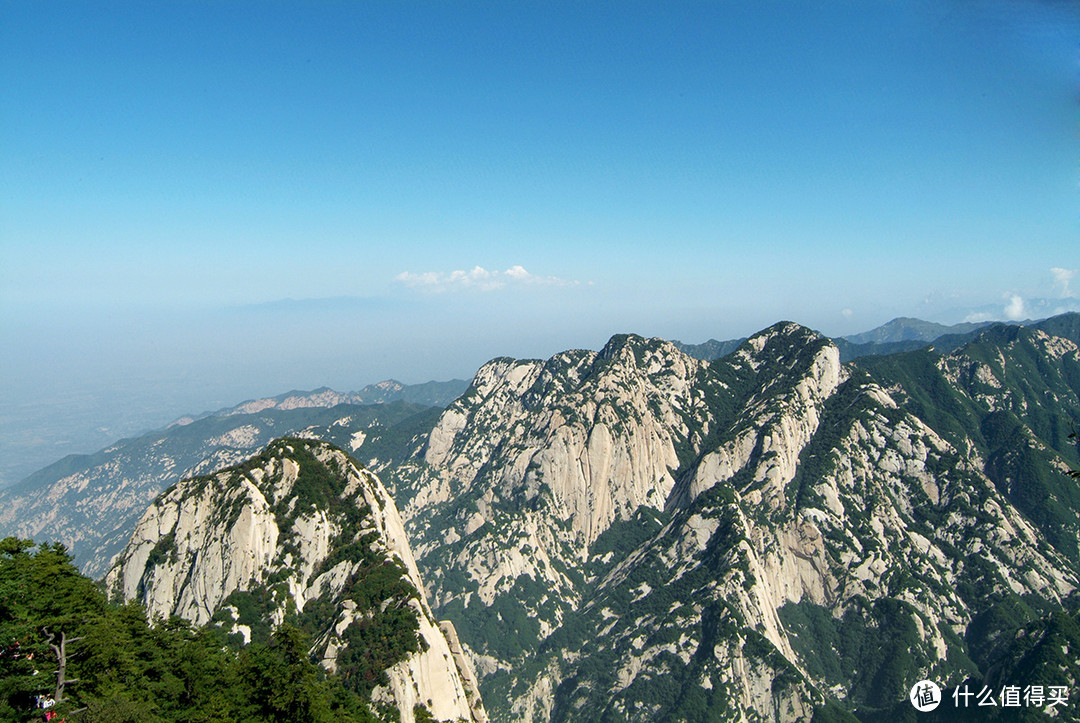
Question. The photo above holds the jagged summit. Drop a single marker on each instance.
(633, 342)
(301, 532)
(677, 537)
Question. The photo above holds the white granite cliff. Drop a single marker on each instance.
(266, 525)
(788, 484)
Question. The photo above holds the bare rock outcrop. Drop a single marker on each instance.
(299, 527)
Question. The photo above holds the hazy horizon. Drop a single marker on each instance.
(97, 413)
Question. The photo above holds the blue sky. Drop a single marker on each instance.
(172, 173)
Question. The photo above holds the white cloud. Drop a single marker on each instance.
(1062, 277)
(1014, 310)
(517, 272)
(847, 313)
(479, 278)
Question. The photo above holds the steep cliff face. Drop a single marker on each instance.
(599, 430)
(640, 535)
(767, 400)
(302, 532)
(735, 606)
(523, 473)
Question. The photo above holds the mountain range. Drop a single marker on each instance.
(781, 532)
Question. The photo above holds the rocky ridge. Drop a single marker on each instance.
(301, 532)
(897, 532)
(792, 499)
(527, 469)
(91, 503)
(390, 390)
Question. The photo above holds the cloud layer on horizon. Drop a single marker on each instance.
(478, 278)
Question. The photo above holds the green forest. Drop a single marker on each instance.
(67, 653)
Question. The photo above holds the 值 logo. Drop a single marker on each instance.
(925, 696)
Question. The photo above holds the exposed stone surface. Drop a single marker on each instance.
(789, 484)
(524, 472)
(281, 526)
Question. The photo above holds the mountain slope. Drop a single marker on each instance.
(801, 501)
(897, 543)
(91, 503)
(528, 469)
(300, 532)
(1009, 398)
(908, 329)
(434, 394)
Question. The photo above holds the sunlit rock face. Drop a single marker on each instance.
(299, 528)
(523, 473)
(638, 534)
